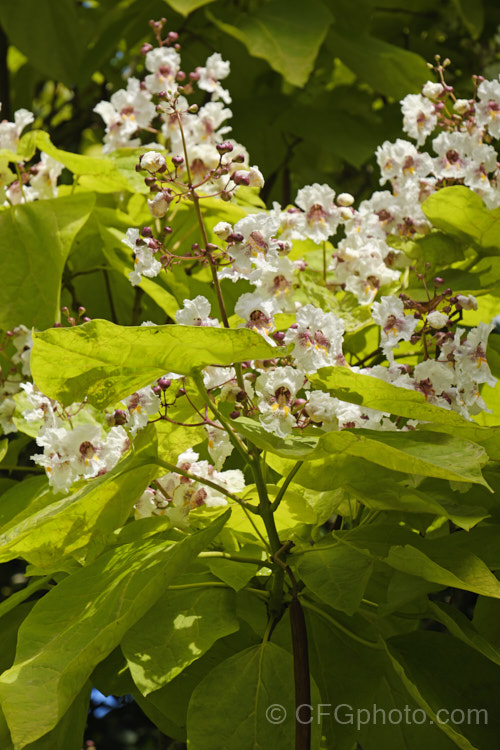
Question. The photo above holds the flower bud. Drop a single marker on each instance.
(346, 213)
(256, 177)
(234, 414)
(153, 161)
(461, 106)
(224, 148)
(223, 230)
(164, 383)
(146, 48)
(158, 206)
(119, 417)
(241, 178)
(437, 319)
(177, 161)
(466, 302)
(432, 90)
(345, 200)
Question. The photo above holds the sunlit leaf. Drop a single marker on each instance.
(104, 362)
(80, 621)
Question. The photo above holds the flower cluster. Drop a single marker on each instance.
(27, 183)
(174, 495)
(192, 159)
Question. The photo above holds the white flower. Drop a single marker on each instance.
(214, 71)
(432, 90)
(10, 132)
(292, 222)
(278, 389)
(70, 454)
(469, 355)
(433, 378)
(128, 110)
(352, 416)
(396, 326)
(164, 64)
(256, 177)
(147, 506)
(376, 216)
(17, 194)
(203, 157)
(257, 311)
(317, 338)
(145, 263)
(257, 246)
(395, 374)
(206, 124)
(322, 216)
(45, 175)
(215, 377)
(141, 405)
(364, 275)
(219, 444)
(419, 117)
(23, 342)
(488, 107)
(276, 283)
(322, 408)
(196, 312)
(179, 494)
(453, 151)
(483, 160)
(42, 407)
(401, 161)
